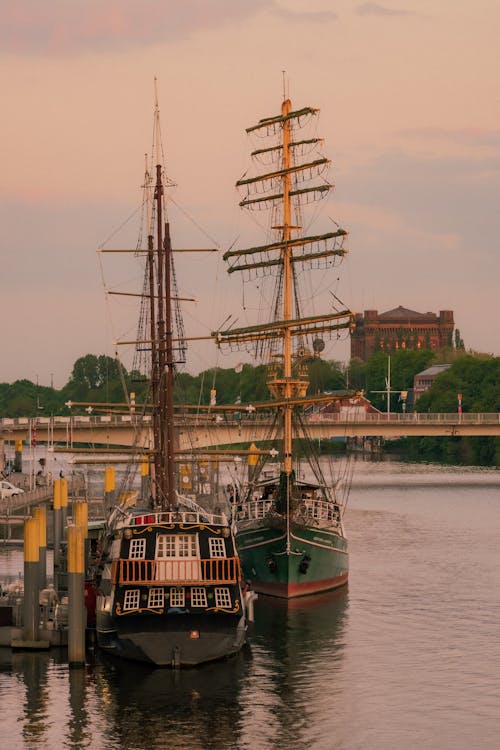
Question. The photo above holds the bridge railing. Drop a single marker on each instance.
(409, 417)
(124, 420)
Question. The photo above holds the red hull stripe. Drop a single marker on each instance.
(290, 590)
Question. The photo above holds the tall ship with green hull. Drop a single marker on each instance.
(289, 516)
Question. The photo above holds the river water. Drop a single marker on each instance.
(407, 657)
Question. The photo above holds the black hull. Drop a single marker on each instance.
(171, 644)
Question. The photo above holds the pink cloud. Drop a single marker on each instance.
(64, 28)
(375, 9)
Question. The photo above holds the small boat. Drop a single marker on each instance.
(290, 532)
(168, 578)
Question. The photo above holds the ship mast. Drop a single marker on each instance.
(283, 187)
(286, 386)
(161, 325)
(161, 342)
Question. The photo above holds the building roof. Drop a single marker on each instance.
(432, 371)
(403, 313)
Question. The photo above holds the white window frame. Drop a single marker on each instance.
(177, 597)
(198, 596)
(137, 550)
(217, 546)
(182, 564)
(156, 598)
(223, 597)
(176, 544)
(131, 599)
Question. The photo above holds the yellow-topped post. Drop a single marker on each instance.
(109, 486)
(40, 516)
(75, 549)
(56, 494)
(31, 580)
(76, 596)
(144, 477)
(81, 519)
(18, 457)
(56, 503)
(31, 541)
(253, 460)
(64, 505)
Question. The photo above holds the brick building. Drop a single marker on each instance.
(401, 329)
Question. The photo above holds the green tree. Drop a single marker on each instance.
(325, 375)
(459, 342)
(476, 378)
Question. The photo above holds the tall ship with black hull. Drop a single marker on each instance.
(168, 576)
(290, 532)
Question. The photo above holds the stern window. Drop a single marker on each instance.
(222, 597)
(217, 547)
(176, 597)
(137, 549)
(198, 596)
(156, 598)
(131, 599)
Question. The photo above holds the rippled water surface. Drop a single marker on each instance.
(407, 657)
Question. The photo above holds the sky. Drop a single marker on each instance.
(409, 94)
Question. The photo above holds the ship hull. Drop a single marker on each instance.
(171, 644)
(313, 560)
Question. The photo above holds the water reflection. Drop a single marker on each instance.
(269, 695)
(79, 720)
(147, 708)
(296, 676)
(409, 657)
(277, 693)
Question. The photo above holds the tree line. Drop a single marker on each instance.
(101, 379)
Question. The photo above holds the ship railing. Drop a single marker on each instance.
(177, 572)
(186, 517)
(320, 510)
(254, 509)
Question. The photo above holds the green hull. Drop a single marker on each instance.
(316, 560)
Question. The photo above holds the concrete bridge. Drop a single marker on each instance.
(215, 430)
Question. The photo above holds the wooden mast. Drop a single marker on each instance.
(287, 288)
(163, 371)
(281, 186)
(169, 372)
